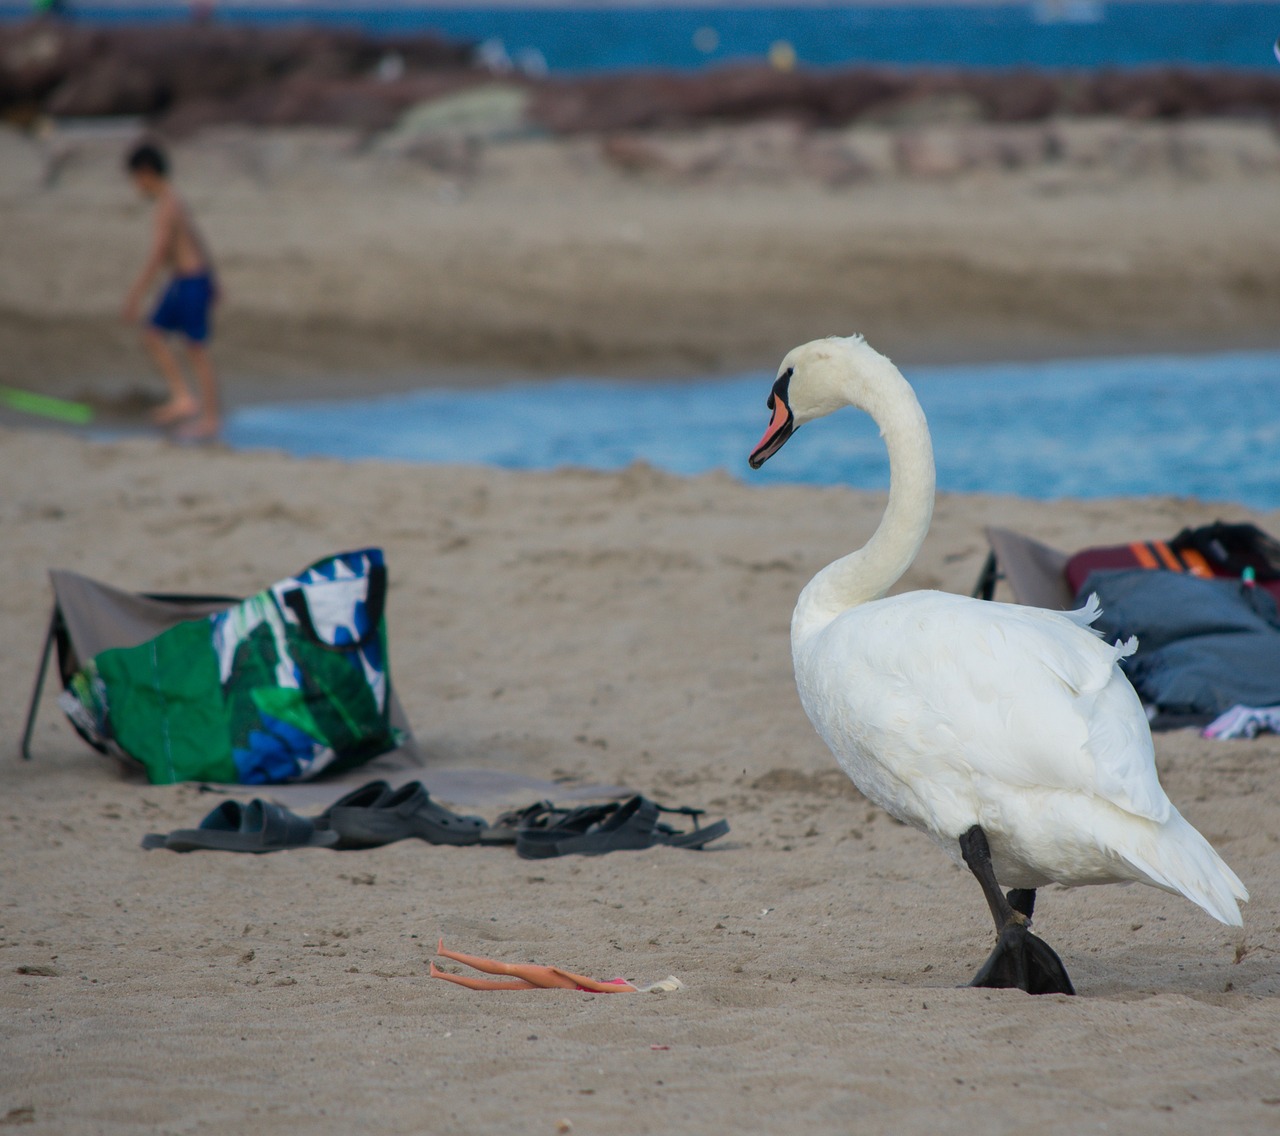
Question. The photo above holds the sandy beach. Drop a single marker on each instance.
(580, 627)
(629, 628)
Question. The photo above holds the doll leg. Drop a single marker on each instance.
(481, 983)
(543, 976)
(594, 985)
(546, 977)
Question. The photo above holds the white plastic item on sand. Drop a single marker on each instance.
(1244, 722)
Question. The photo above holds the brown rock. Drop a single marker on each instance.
(165, 69)
(187, 75)
(108, 85)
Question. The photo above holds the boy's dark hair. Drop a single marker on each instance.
(148, 157)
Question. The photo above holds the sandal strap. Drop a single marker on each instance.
(632, 825)
(277, 824)
(699, 837)
(368, 796)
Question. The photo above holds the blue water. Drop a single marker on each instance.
(1046, 33)
(1195, 426)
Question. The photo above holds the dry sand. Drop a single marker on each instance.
(625, 627)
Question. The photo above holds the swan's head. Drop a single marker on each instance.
(813, 380)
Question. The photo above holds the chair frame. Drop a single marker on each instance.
(58, 635)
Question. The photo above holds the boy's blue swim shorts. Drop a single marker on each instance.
(184, 307)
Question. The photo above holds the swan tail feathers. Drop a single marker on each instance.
(1085, 617)
(1184, 862)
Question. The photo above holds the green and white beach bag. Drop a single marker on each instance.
(279, 687)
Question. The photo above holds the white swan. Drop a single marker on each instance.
(1009, 734)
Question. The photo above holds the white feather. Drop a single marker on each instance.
(952, 712)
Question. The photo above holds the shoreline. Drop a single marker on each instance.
(1210, 456)
(122, 397)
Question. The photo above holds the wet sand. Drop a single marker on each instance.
(346, 268)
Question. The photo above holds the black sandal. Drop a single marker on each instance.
(409, 811)
(632, 825)
(257, 827)
(507, 828)
(368, 796)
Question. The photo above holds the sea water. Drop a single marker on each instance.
(584, 37)
(1204, 426)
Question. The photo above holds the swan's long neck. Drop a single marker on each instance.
(872, 570)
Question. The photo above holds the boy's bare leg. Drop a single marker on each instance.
(181, 403)
(208, 421)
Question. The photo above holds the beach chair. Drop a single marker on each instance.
(89, 617)
(1034, 572)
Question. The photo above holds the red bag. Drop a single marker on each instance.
(1215, 550)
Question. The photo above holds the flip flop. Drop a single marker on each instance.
(409, 811)
(630, 826)
(256, 827)
(507, 828)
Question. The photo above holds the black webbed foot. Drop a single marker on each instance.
(1022, 961)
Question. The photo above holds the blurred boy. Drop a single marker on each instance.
(184, 306)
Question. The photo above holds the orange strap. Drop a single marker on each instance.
(1166, 555)
(1157, 554)
(1196, 564)
(1143, 554)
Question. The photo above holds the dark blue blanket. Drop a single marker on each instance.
(1203, 645)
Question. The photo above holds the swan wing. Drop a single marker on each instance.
(1029, 698)
(1081, 679)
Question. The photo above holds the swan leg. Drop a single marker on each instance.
(1023, 900)
(1021, 960)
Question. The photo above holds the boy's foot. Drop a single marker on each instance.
(175, 410)
(198, 429)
